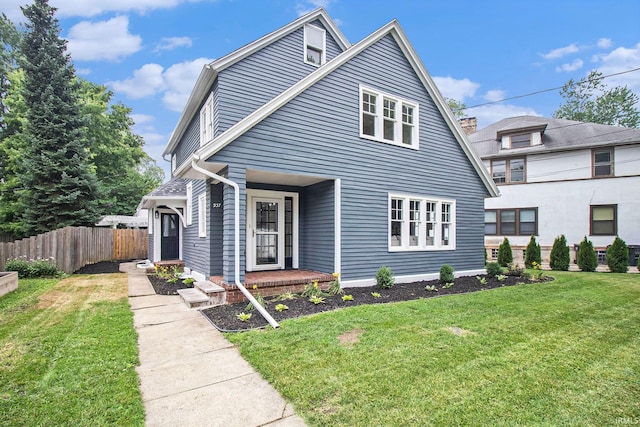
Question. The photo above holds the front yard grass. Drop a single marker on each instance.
(559, 353)
(68, 352)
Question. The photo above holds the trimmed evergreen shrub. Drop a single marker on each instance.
(618, 256)
(532, 254)
(446, 274)
(493, 269)
(505, 255)
(560, 259)
(587, 258)
(384, 277)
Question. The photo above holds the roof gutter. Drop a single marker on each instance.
(236, 230)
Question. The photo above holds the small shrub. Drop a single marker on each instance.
(501, 277)
(32, 268)
(618, 256)
(384, 277)
(281, 307)
(559, 258)
(586, 258)
(446, 274)
(243, 317)
(346, 298)
(482, 280)
(172, 280)
(493, 269)
(505, 255)
(189, 281)
(532, 254)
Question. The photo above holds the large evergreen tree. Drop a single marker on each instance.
(61, 190)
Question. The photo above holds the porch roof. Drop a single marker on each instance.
(172, 193)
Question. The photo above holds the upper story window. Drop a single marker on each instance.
(520, 141)
(387, 118)
(206, 121)
(602, 160)
(315, 45)
(419, 223)
(508, 171)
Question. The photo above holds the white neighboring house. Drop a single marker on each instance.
(560, 177)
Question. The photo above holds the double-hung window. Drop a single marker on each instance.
(315, 45)
(421, 223)
(508, 171)
(511, 222)
(602, 162)
(604, 220)
(206, 121)
(388, 118)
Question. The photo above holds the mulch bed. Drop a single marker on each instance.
(162, 287)
(225, 318)
(104, 267)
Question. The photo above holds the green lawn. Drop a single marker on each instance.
(68, 354)
(559, 353)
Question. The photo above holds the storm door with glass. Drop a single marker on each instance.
(268, 233)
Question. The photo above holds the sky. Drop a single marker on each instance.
(150, 52)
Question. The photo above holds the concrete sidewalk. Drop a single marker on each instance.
(190, 375)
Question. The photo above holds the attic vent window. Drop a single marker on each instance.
(315, 41)
(520, 141)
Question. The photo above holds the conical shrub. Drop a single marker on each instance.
(618, 256)
(533, 253)
(559, 258)
(505, 255)
(587, 258)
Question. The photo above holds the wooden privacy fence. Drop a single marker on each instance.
(74, 247)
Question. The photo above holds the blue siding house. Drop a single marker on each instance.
(301, 151)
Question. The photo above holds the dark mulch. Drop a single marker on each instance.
(162, 287)
(103, 267)
(224, 317)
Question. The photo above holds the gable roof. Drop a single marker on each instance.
(174, 190)
(210, 71)
(558, 135)
(392, 28)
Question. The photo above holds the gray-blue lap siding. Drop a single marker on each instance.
(252, 82)
(317, 133)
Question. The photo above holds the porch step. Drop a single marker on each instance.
(215, 293)
(203, 294)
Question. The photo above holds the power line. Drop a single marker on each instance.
(583, 81)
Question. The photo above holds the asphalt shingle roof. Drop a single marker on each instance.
(559, 134)
(173, 188)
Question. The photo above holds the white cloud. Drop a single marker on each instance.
(494, 95)
(604, 43)
(176, 82)
(88, 8)
(457, 89)
(104, 40)
(619, 60)
(83, 71)
(142, 119)
(489, 114)
(170, 43)
(560, 52)
(146, 81)
(310, 5)
(575, 65)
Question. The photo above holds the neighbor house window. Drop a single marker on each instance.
(206, 121)
(387, 118)
(511, 222)
(189, 210)
(602, 162)
(604, 220)
(202, 215)
(314, 45)
(508, 171)
(520, 141)
(421, 223)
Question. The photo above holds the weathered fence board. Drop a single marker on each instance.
(74, 247)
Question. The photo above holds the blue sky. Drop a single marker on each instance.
(150, 52)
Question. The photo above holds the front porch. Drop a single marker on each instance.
(271, 283)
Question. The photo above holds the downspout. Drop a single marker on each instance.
(236, 231)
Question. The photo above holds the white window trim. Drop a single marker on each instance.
(422, 242)
(202, 215)
(379, 118)
(206, 121)
(323, 54)
(173, 163)
(189, 209)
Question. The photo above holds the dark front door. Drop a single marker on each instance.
(170, 242)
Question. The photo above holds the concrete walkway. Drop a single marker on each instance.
(190, 374)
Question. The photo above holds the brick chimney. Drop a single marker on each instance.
(469, 125)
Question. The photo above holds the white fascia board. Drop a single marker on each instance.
(440, 102)
(263, 112)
